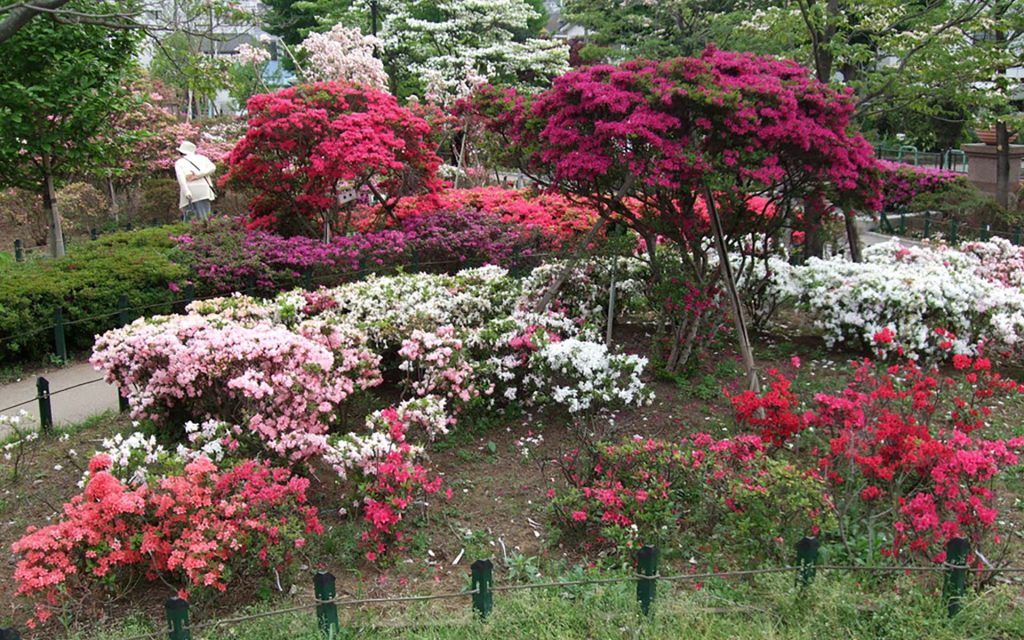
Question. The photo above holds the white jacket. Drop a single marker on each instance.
(199, 188)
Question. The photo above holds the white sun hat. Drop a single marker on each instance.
(187, 148)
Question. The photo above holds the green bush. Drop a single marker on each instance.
(86, 284)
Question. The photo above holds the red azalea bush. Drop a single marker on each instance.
(702, 493)
(551, 215)
(384, 466)
(199, 529)
(307, 144)
(901, 450)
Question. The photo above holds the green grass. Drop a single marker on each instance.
(769, 608)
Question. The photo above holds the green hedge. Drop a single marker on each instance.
(86, 283)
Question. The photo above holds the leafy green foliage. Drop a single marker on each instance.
(86, 283)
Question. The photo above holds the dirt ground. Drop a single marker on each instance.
(498, 508)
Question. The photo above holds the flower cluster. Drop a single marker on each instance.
(197, 528)
(386, 470)
(909, 292)
(344, 54)
(285, 386)
(901, 183)
(716, 493)
(902, 450)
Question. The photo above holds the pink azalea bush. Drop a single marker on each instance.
(225, 256)
(199, 528)
(384, 465)
(901, 183)
(285, 386)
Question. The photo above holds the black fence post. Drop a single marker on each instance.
(250, 285)
(19, 251)
(190, 293)
(647, 571)
(482, 580)
(45, 409)
(93, 233)
(177, 619)
(58, 335)
(806, 560)
(326, 610)
(1016, 236)
(986, 232)
(927, 224)
(956, 574)
(307, 279)
(903, 223)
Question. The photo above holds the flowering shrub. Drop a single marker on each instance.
(435, 365)
(585, 377)
(758, 124)
(199, 529)
(344, 54)
(284, 386)
(224, 256)
(902, 183)
(552, 215)
(911, 292)
(725, 493)
(389, 478)
(307, 144)
(901, 450)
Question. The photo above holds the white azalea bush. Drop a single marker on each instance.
(912, 292)
(277, 375)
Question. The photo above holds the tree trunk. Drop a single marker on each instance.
(746, 350)
(51, 210)
(853, 238)
(114, 209)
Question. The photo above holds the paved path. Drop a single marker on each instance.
(70, 406)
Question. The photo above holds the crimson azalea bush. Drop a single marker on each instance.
(306, 145)
(642, 141)
(902, 450)
(199, 529)
(707, 496)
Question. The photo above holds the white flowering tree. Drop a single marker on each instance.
(450, 43)
(343, 53)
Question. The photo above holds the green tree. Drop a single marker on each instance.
(61, 84)
(622, 29)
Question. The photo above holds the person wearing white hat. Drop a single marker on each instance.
(196, 193)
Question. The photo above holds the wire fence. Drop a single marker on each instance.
(481, 593)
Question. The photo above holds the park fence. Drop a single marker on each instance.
(926, 225)
(483, 591)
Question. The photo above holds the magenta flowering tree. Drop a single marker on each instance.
(310, 146)
(650, 143)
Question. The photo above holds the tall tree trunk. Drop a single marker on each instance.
(853, 238)
(51, 210)
(725, 267)
(115, 208)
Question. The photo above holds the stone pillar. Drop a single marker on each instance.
(982, 166)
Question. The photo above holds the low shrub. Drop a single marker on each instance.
(86, 284)
(199, 528)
